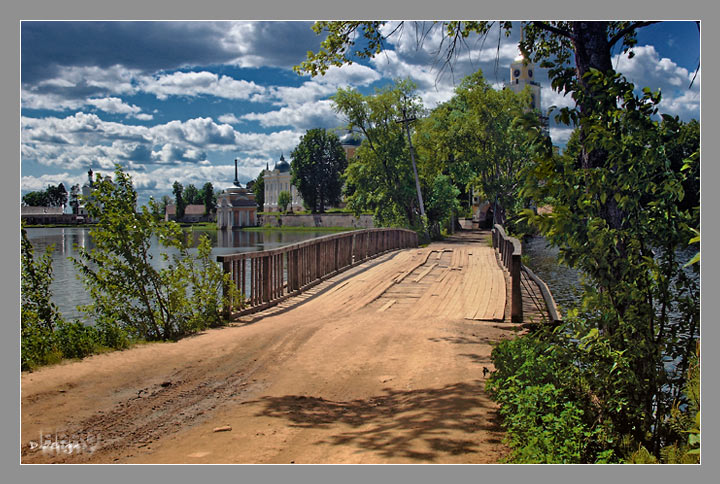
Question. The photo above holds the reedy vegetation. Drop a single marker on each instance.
(132, 299)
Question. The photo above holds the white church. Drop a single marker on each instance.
(276, 181)
(279, 179)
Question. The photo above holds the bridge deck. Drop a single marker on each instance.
(383, 363)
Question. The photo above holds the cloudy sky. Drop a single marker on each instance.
(181, 100)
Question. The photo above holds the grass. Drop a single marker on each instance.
(200, 225)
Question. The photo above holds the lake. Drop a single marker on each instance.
(68, 292)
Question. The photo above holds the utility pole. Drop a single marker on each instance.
(406, 122)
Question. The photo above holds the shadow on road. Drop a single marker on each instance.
(410, 424)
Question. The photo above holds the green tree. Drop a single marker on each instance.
(475, 138)
(191, 195)
(207, 195)
(259, 191)
(75, 198)
(179, 200)
(284, 200)
(36, 199)
(318, 163)
(164, 202)
(128, 292)
(638, 300)
(442, 202)
(58, 195)
(380, 178)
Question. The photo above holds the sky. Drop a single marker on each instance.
(180, 101)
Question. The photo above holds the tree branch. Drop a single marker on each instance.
(554, 30)
(628, 29)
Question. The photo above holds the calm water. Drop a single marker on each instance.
(564, 282)
(68, 291)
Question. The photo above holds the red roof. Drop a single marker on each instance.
(189, 209)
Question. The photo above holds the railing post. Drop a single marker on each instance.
(516, 311)
(227, 301)
(266, 278)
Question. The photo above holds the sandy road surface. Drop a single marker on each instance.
(371, 366)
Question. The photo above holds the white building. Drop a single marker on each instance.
(86, 192)
(276, 181)
(236, 207)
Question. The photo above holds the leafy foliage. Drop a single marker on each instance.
(318, 163)
(379, 178)
(284, 200)
(52, 196)
(259, 190)
(179, 200)
(39, 316)
(208, 198)
(475, 139)
(638, 299)
(128, 292)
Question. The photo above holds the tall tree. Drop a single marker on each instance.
(191, 195)
(179, 200)
(380, 177)
(259, 191)
(75, 198)
(57, 195)
(207, 195)
(36, 199)
(318, 163)
(475, 139)
(284, 200)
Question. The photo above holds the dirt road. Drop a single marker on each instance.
(380, 364)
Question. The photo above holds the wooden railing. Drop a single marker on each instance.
(268, 277)
(552, 309)
(511, 252)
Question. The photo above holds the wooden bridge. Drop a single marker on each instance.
(461, 277)
(353, 348)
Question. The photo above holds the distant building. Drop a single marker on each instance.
(86, 191)
(523, 74)
(193, 213)
(45, 215)
(236, 206)
(350, 143)
(276, 181)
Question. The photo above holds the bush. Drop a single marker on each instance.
(131, 297)
(38, 314)
(76, 340)
(556, 396)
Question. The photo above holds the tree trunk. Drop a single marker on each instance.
(592, 51)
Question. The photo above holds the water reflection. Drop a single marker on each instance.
(69, 292)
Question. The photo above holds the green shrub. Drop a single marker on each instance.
(39, 316)
(76, 340)
(131, 298)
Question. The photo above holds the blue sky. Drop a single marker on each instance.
(181, 100)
